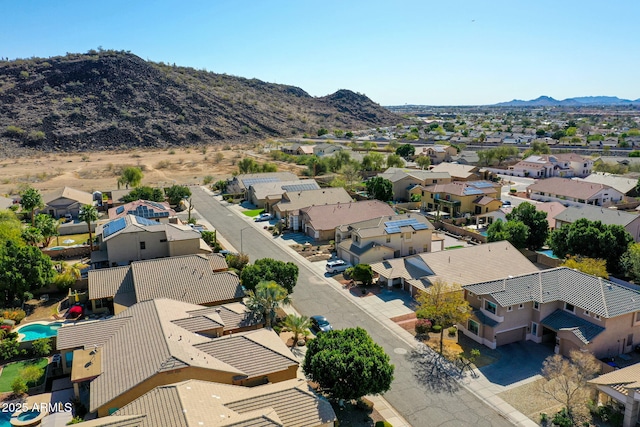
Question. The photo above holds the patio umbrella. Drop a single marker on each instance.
(67, 241)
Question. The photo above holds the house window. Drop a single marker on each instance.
(595, 316)
(510, 308)
(536, 305)
(407, 236)
(432, 195)
(534, 328)
(425, 248)
(521, 306)
(355, 238)
(163, 240)
(473, 327)
(586, 313)
(569, 307)
(388, 239)
(143, 245)
(491, 307)
(435, 181)
(99, 303)
(68, 359)
(411, 251)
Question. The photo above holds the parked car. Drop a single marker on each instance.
(337, 266)
(320, 324)
(263, 217)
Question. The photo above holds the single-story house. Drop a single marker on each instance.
(65, 201)
(258, 193)
(626, 186)
(239, 184)
(572, 192)
(621, 386)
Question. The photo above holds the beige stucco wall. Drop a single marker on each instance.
(125, 247)
(184, 247)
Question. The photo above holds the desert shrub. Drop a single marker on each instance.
(14, 131)
(436, 328)
(17, 315)
(422, 326)
(383, 424)
(207, 180)
(452, 331)
(42, 347)
(18, 386)
(31, 374)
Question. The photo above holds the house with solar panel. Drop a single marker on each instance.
(133, 238)
(565, 308)
(239, 184)
(462, 197)
(259, 192)
(155, 211)
(386, 237)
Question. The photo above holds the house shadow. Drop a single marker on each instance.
(517, 361)
(391, 294)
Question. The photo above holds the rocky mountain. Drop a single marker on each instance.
(547, 101)
(114, 99)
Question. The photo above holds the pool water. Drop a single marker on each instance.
(549, 253)
(28, 415)
(4, 419)
(36, 331)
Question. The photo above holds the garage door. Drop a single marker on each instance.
(510, 336)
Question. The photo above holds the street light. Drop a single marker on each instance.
(241, 246)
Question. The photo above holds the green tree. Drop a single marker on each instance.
(406, 151)
(23, 269)
(19, 386)
(265, 300)
(444, 305)
(423, 162)
(88, 214)
(592, 239)
(394, 161)
(486, 157)
(144, 193)
(30, 200)
(31, 374)
(10, 348)
(537, 147)
(248, 165)
(10, 227)
(351, 174)
(536, 222)
(237, 262)
(362, 273)
(322, 131)
(373, 162)
(558, 134)
(631, 262)
(283, 273)
(516, 232)
(348, 364)
(48, 227)
(380, 188)
(505, 152)
(32, 236)
(298, 325)
(130, 176)
(177, 193)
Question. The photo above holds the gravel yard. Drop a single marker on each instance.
(530, 401)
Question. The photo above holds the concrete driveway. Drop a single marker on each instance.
(518, 361)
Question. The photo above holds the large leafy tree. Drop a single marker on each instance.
(30, 200)
(536, 222)
(592, 239)
(177, 193)
(394, 161)
(443, 305)
(283, 273)
(373, 162)
(380, 188)
(10, 227)
(32, 236)
(48, 227)
(423, 161)
(595, 267)
(406, 150)
(363, 273)
(144, 193)
(88, 214)
(130, 176)
(23, 269)
(348, 364)
(516, 232)
(631, 261)
(265, 300)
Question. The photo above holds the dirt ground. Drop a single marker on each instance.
(528, 399)
(100, 170)
(42, 310)
(314, 253)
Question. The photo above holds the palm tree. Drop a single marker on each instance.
(266, 299)
(299, 325)
(30, 199)
(88, 214)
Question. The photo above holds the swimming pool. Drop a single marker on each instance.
(5, 418)
(34, 331)
(549, 253)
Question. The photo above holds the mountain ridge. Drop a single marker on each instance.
(115, 99)
(544, 101)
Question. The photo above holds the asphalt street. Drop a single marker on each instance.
(419, 404)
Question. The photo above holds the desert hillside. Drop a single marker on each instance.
(116, 100)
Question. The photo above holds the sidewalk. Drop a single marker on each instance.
(384, 306)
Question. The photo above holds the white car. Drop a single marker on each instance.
(337, 266)
(263, 217)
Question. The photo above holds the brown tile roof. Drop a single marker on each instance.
(484, 200)
(196, 403)
(396, 174)
(328, 217)
(295, 200)
(159, 207)
(567, 187)
(456, 170)
(552, 209)
(264, 189)
(234, 315)
(79, 196)
(218, 262)
(147, 340)
(188, 278)
(376, 226)
(463, 188)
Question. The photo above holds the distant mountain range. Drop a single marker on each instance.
(547, 101)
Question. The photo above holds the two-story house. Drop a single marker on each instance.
(259, 193)
(288, 205)
(630, 222)
(406, 181)
(438, 153)
(458, 198)
(386, 237)
(132, 238)
(566, 308)
(570, 192)
(156, 211)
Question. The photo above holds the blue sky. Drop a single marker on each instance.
(395, 52)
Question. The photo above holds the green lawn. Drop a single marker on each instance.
(12, 370)
(78, 239)
(253, 212)
(453, 247)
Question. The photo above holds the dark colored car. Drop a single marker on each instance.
(320, 324)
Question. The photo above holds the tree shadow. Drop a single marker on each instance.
(433, 371)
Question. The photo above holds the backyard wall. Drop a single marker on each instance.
(67, 253)
(454, 229)
(75, 228)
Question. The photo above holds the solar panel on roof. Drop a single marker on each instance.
(391, 230)
(481, 184)
(300, 187)
(158, 206)
(119, 210)
(472, 191)
(419, 226)
(251, 181)
(145, 221)
(113, 227)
